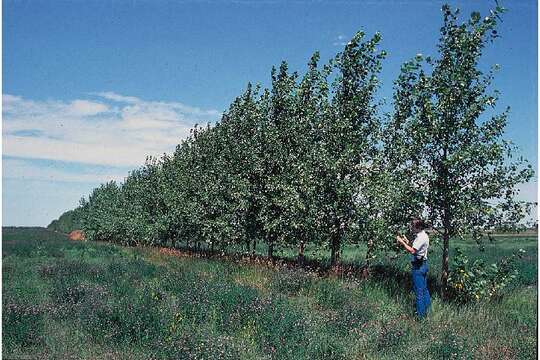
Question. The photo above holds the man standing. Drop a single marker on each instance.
(419, 264)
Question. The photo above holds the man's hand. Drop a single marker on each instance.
(402, 239)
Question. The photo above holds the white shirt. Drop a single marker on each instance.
(421, 244)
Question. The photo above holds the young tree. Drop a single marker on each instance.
(180, 194)
(347, 138)
(458, 161)
(242, 152)
(276, 133)
(206, 191)
(101, 214)
(311, 106)
(142, 201)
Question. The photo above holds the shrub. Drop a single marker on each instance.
(476, 281)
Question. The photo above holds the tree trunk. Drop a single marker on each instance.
(446, 221)
(254, 246)
(212, 247)
(334, 247)
(301, 248)
(444, 274)
(369, 254)
(271, 250)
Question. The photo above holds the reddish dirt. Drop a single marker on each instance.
(172, 252)
(76, 235)
(277, 263)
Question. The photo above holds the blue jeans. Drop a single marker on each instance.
(419, 276)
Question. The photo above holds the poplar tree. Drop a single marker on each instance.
(242, 148)
(276, 137)
(102, 214)
(311, 106)
(348, 138)
(446, 132)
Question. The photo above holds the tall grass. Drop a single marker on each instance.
(64, 299)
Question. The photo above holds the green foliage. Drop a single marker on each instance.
(102, 215)
(477, 281)
(67, 222)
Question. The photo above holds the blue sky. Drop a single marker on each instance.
(91, 88)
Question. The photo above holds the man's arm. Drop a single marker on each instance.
(404, 238)
(403, 241)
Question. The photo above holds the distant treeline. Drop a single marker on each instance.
(313, 160)
(67, 222)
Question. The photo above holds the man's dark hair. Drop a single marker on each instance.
(419, 223)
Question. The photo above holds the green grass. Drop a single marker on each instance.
(65, 299)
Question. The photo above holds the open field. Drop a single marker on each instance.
(87, 300)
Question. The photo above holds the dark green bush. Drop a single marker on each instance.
(475, 281)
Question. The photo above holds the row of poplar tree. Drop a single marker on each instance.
(312, 160)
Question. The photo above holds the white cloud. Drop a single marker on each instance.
(119, 134)
(27, 170)
(86, 108)
(104, 152)
(115, 97)
(169, 105)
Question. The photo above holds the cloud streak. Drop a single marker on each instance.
(31, 170)
(113, 130)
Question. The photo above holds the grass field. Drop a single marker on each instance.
(64, 299)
